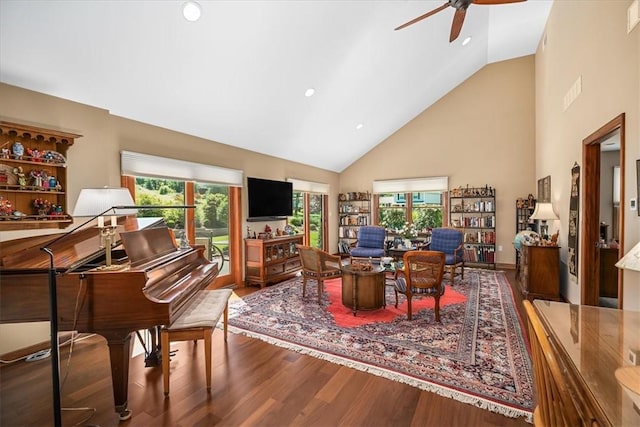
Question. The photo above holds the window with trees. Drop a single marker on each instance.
(309, 211)
(424, 210)
(214, 191)
(418, 201)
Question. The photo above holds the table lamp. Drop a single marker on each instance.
(95, 202)
(631, 260)
(543, 212)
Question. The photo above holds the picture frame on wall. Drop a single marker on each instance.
(637, 185)
(544, 189)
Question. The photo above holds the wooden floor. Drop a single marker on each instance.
(254, 384)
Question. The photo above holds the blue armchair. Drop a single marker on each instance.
(449, 241)
(370, 242)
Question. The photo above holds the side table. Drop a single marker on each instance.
(363, 290)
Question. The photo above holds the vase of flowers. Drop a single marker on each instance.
(408, 232)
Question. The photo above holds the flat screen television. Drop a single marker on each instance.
(268, 199)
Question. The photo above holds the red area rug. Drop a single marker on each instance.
(343, 315)
(477, 354)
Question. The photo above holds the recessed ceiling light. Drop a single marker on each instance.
(466, 41)
(309, 92)
(191, 11)
(359, 126)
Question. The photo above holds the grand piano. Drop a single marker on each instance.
(152, 282)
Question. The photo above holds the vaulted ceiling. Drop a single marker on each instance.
(239, 74)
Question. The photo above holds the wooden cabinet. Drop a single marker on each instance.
(473, 210)
(354, 211)
(540, 272)
(33, 177)
(271, 260)
(608, 272)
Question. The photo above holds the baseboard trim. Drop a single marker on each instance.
(16, 355)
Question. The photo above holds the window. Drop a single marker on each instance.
(214, 223)
(309, 211)
(162, 192)
(392, 210)
(418, 201)
(426, 212)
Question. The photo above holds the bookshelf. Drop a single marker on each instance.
(354, 211)
(473, 210)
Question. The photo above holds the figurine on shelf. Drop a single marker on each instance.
(18, 150)
(6, 208)
(36, 155)
(4, 154)
(38, 178)
(53, 182)
(42, 206)
(22, 179)
(55, 210)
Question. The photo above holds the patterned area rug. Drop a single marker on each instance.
(477, 355)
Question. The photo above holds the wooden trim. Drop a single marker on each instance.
(589, 230)
(325, 222)
(128, 181)
(190, 214)
(235, 239)
(375, 200)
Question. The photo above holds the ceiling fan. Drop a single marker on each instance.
(458, 19)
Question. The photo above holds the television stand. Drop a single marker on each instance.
(271, 260)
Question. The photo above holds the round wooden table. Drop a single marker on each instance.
(363, 290)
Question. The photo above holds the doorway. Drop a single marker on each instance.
(599, 246)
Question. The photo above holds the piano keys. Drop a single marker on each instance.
(152, 286)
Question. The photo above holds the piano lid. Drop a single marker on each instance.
(76, 249)
(144, 245)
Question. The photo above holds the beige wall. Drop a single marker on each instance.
(481, 133)
(94, 161)
(588, 40)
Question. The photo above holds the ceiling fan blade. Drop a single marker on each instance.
(496, 1)
(421, 17)
(456, 26)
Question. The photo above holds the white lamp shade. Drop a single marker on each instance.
(631, 261)
(97, 201)
(544, 211)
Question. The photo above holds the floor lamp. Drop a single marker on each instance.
(92, 203)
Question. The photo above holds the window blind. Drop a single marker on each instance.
(438, 183)
(138, 164)
(309, 186)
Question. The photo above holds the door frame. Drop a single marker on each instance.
(589, 230)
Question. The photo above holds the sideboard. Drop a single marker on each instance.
(540, 272)
(271, 260)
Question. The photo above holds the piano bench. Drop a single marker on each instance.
(197, 322)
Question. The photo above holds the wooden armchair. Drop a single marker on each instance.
(319, 265)
(422, 275)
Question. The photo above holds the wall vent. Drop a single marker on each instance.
(574, 91)
(633, 16)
